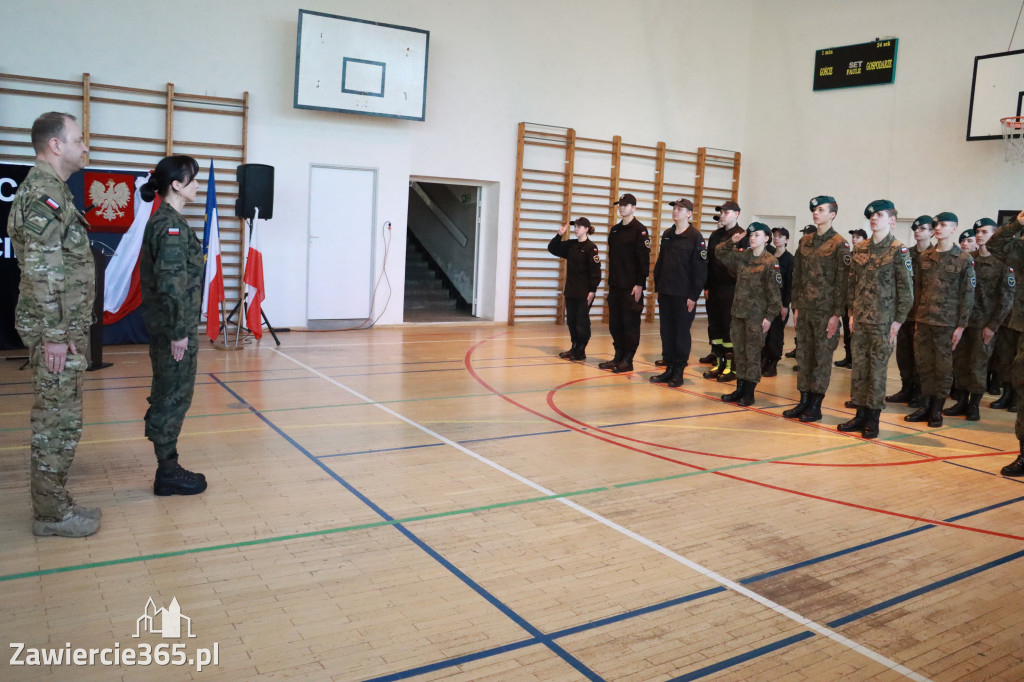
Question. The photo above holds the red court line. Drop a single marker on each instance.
(853, 505)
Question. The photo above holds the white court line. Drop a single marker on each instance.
(720, 579)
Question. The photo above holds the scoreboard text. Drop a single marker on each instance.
(871, 63)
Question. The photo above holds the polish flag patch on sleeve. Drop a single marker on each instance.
(52, 204)
(173, 230)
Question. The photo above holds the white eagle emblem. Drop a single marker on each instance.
(111, 199)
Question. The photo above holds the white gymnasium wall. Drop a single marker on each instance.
(644, 70)
(905, 142)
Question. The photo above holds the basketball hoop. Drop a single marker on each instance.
(1013, 138)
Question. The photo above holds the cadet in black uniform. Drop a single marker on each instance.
(772, 351)
(718, 295)
(582, 275)
(629, 263)
(679, 276)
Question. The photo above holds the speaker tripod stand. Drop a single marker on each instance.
(245, 296)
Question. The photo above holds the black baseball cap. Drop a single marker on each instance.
(585, 222)
(781, 230)
(728, 206)
(859, 233)
(625, 199)
(685, 203)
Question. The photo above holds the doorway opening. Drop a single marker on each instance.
(442, 250)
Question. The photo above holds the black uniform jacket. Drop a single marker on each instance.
(629, 255)
(786, 267)
(582, 265)
(682, 266)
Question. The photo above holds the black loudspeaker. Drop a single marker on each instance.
(255, 189)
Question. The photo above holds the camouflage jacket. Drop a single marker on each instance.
(58, 276)
(820, 273)
(1006, 245)
(947, 287)
(171, 274)
(993, 297)
(758, 281)
(881, 288)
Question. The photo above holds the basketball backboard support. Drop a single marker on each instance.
(997, 91)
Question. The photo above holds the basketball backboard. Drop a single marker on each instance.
(997, 91)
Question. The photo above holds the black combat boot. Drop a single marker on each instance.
(1016, 467)
(709, 359)
(935, 411)
(567, 354)
(844, 363)
(916, 399)
(771, 368)
(717, 369)
(813, 411)
(993, 384)
(735, 395)
(661, 363)
(625, 365)
(172, 479)
(747, 398)
(1006, 400)
(973, 412)
(798, 409)
(902, 396)
(729, 373)
(855, 424)
(791, 354)
(1014, 403)
(921, 413)
(579, 354)
(677, 375)
(850, 405)
(665, 376)
(871, 424)
(960, 408)
(613, 363)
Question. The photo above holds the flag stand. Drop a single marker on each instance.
(243, 303)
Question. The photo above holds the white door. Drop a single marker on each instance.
(339, 283)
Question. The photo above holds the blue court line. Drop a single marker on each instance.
(541, 638)
(743, 658)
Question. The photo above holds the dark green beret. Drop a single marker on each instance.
(759, 227)
(984, 221)
(922, 220)
(823, 199)
(947, 217)
(878, 205)
(966, 234)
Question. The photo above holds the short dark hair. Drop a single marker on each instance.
(177, 167)
(832, 208)
(891, 212)
(48, 126)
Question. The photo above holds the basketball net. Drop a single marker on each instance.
(1013, 138)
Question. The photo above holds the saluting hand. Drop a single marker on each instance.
(563, 229)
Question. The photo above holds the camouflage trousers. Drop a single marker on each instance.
(970, 361)
(170, 395)
(905, 354)
(747, 341)
(871, 352)
(1006, 343)
(56, 428)
(1017, 379)
(814, 351)
(933, 355)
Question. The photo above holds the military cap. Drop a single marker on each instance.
(922, 220)
(728, 206)
(625, 199)
(878, 205)
(808, 229)
(685, 203)
(946, 217)
(823, 199)
(585, 222)
(984, 221)
(966, 234)
(860, 232)
(759, 227)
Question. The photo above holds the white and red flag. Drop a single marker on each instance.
(213, 281)
(253, 279)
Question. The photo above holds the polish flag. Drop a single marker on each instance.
(213, 281)
(122, 292)
(253, 279)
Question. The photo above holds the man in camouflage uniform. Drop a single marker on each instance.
(53, 316)
(993, 298)
(1006, 243)
(910, 390)
(879, 295)
(944, 309)
(968, 241)
(819, 302)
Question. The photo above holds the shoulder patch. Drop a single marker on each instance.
(776, 266)
(846, 245)
(1012, 281)
(974, 281)
(903, 249)
(173, 230)
(778, 277)
(643, 233)
(910, 266)
(704, 254)
(52, 204)
(597, 259)
(846, 259)
(647, 243)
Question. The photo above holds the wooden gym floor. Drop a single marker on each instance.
(455, 502)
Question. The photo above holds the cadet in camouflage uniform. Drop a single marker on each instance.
(1006, 242)
(171, 274)
(993, 298)
(757, 300)
(880, 292)
(910, 391)
(944, 309)
(1006, 245)
(53, 316)
(819, 303)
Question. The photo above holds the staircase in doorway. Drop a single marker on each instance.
(429, 297)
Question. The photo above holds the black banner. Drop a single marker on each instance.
(854, 65)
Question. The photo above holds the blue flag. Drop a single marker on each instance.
(211, 210)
